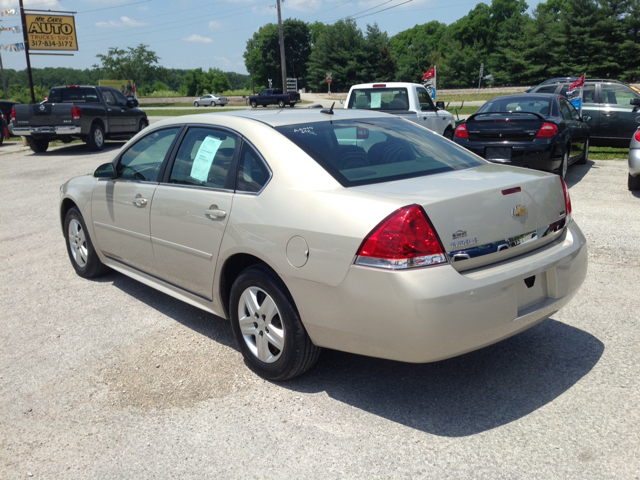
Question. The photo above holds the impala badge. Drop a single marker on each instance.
(459, 234)
(519, 211)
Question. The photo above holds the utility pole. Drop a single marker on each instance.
(26, 50)
(283, 65)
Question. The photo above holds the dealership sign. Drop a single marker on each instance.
(51, 32)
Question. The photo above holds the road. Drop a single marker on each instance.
(110, 379)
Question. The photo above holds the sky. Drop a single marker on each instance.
(208, 33)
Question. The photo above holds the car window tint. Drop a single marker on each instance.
(546, 89)
(143, 159)
(617, 94)
(426, 104)
(108, 97)
(522, 104)
(575, 115)
(73, 95)
(589, 94)
(204, 158)
(362, 152)
(253, 174)
(379, 99)
(121, 100)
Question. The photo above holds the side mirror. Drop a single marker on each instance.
(132, 103)
(440, 105)
(634, 101)
(586, 118)
(107, 170)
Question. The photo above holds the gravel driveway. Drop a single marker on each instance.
(110, 379)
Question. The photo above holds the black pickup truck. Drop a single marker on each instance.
(91, 114)
(274, 96)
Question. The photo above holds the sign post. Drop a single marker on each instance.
(480, 78)
(329, 81)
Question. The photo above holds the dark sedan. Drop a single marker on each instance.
(544, 132)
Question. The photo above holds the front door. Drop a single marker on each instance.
(617, 115)
(128, 115)
(120, 206)
(427, 116)
(189, 212)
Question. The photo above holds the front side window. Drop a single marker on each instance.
(253, 174)
(617, 94)
(379, 98)
(142, 161)
(362, 152)
(121, 100)
(204, 159)
(426, 104)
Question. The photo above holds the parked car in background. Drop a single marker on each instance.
(410, 101)
(613, 108)
(210, 101)
(274, 96)
(91, 114)
(351, 230)
(634, 162)
(570, 80)
(541, 131)
(5, 114)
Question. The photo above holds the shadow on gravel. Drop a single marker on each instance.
(575, 173)
(458, 397)
(80, 149)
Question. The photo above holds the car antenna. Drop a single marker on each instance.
(330, 111)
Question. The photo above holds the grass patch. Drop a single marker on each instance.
(463, 110)
(608, 153)
(161, 105)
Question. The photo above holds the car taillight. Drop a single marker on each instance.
(567, 200)
(461, 131)
(76, 113)
(637, 135)
(13, 115)
(547, 130)
(405, 239)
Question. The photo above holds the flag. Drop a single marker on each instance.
(13, 11)
(429, 74)
(578, 83)
(574, 93)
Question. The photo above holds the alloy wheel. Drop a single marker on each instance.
(78, 243)
(261, 325)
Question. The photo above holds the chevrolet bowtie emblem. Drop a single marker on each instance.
(519, 211)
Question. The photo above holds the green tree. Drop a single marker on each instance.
(138, 64)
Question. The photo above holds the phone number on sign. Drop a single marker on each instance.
(51, 43)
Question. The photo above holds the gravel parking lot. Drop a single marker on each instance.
(110, 379)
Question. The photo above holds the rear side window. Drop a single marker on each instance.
(253, 174)
(546, 89)
(73, 95)
(379, 99)
(617, 94)
(362, 152)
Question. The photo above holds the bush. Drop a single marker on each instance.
(164, 93)
(237, 93)
(160, 87)
(17, 93)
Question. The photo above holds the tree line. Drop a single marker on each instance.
(558, 38)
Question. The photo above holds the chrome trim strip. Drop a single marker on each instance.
(182, 248)
(60, 130)
(122, 231)
(508, 243)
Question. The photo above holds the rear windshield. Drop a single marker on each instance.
(540, 106)
(362, 152)
(75, 95)
(379, 99)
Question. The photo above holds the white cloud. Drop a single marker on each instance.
(213, 24)
(222, 60)
(143, 9)
(124, 22)
(10, 4)
(303, 6)
(198, 38)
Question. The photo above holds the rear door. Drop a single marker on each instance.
(191, 208)
(120, 207)
(114, 113)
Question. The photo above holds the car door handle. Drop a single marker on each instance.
(215, 212)
(139, 201)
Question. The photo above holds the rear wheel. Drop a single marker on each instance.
(564, 164)
(37, 145)
(448, 133)
(144, 123)
(83, 256)
(292, 105)
(634, 182)
(95, 142)
(585, 154)
(267, 327)
(281, 103)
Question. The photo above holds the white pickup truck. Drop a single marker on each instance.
(407, 100)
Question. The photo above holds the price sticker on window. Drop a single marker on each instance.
(204, 158)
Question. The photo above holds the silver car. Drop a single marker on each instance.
(210, 101)
(634, 162)
(351, 230)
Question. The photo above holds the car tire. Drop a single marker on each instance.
(448, 133)
(37, 145)
(585, 154)
(267, 326)
(1, 137)
(82, 254)
(292, 105)
(95, 142)
(254, 104)
(196, 104)
(634, 182)
(144, 123)
(281, 104)
(564, 164)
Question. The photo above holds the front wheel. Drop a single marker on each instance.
(196, 104)
(281, 104)
(267, 327)
(144, 123)
(96, 138)
(37, 145)
(254, 104)
(83, 256)
(585, 154)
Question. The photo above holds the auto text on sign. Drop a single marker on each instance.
(51, 32)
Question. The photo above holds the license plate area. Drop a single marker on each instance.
(531, 290)
(498, 154)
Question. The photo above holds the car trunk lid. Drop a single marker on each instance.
(44, 114)
(503, 126)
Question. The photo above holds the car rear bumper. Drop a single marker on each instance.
(541, 156)
(634, 162)
(45, 131)
(433, 313)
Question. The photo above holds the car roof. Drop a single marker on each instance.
(587, 81)
(281, 117)
(527, 96)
